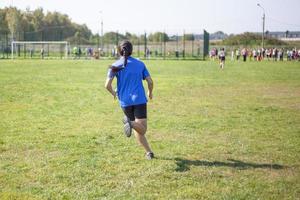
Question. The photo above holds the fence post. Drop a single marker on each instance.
(183, 51)
(177, 50)
(205, 44)
(117, 38)
(61, 39)
(161, 44)
(7, 45)
(145, 43)
(165, 40)
(43, 39)
(24, 37)
(98, 40)
(138, 47)
(193, 39)
(12, 49)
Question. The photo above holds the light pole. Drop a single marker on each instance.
(263, 18)
(101, 30)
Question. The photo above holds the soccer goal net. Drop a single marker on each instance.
(40, 49)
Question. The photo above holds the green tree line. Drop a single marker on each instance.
(251, 39)
(37, 25)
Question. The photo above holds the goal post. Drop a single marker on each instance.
(40, 44)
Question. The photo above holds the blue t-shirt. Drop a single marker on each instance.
(130, 88)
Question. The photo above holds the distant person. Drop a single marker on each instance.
(75, 52)
(254, 53)
(130, 73)
(31, 52)
(276, 54)
(259, 55)
(244, 54)
(42, 53)
(222, 58)
(79, 52)
(147, 53)
(90, 52)
(280, 55)
(86, 52)
(288, 55)
(250, 53)
(232, 55)
(294, 54)
(176, 53)
(263, 51)
(213, 54)
(268, 53)
(238, 54)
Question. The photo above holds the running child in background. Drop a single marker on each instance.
(222, 58)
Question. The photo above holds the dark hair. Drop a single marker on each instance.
(125, 50)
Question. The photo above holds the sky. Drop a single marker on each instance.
(173, 16)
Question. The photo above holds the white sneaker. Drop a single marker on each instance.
(150, 155)
(127, 126)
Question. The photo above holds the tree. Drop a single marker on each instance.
(218, 35)
(131, 37)
(158, 37)
(113, 37)
(3, 23)
(13, 18)
(189, 37)
(35, 25)
(251, 39)
(38, 18)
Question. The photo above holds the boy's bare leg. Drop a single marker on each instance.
(140, 127)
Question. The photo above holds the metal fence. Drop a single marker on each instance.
(4, 45)
(177, 47)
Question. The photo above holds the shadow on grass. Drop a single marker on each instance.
(184, 165)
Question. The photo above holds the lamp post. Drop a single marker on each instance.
(101, 30)
(263, 18)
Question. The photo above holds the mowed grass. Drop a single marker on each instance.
(232, 134)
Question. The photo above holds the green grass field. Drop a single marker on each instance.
(232, 134)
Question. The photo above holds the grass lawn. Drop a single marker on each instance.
(232, 134)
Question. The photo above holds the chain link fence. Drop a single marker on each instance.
(184, 46)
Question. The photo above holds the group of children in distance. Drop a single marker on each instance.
(274, 54)
(87, 52)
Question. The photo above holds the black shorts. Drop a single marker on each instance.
(136, 111)
(222, 58)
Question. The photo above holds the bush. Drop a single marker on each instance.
(251, 39)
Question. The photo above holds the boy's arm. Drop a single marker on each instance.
(108, 86)
(150, 86)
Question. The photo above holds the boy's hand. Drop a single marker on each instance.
(150, 95)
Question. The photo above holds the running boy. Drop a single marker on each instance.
(130, 73)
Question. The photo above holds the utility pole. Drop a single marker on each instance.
(101, 30)
(263, 26)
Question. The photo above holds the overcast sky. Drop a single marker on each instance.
(137, 16)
